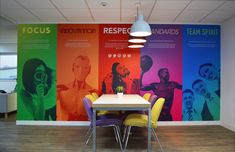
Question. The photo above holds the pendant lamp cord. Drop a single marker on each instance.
(138, 5)
(137, 10)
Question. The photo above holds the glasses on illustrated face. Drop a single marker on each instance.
(40, 77)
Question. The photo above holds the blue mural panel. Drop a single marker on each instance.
(201, 72)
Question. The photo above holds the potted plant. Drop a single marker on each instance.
(119, 91)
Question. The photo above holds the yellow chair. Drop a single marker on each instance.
(95, 95)
(147, 96)
(141, 120)
(90, 97)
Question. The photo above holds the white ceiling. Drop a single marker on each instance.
(116, 11)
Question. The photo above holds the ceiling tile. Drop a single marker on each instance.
(165, 13)
(17, 12)
(70, 3)
(36, 3)
(52, 20)
(132, 13)
(106, 13)
(161, 19)
(228, 5)
(192, 15)
(75, 13)
(171, 4)
(212, 20)
(77, 10)
(21, 20)
(47, 13)
(107, 20)
(80, 20)
(204, 5)
(132, 4)
(110, 4)
(8, 4)
(222, 14)
(128, 19)
(4, 22)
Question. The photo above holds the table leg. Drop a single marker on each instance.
(149, 129)
(94, 130)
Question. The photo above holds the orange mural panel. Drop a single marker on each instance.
(77, 69)
(119, 65)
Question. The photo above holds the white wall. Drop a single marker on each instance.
(228, 74)
(8, 44)
(8, 36)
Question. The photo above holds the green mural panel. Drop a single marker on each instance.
(36, 84)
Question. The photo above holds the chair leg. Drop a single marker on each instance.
(119, 130)
(89, 137)
(124, 134)
(154, 134)
(127, 138)
(158, 140)
(119, 139)
(88, 132)
(114, 129)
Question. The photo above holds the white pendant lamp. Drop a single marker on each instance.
(133, 39)
(135, 45)
(140, 27)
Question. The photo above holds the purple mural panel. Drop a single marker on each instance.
(161, 69)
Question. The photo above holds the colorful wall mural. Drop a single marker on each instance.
(59, 64)
(36, 73)
(120, 61)
(164, 77)
(201, 72)
(77, 68)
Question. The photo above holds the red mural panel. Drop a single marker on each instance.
(77, 69)
(118, 64)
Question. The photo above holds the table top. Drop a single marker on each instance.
(127, 101)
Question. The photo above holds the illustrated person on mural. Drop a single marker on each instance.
(37, 93)
(165, 88)
(210, 72)
(69, 96)
(211, 104)
(120, 76)
(190, 113)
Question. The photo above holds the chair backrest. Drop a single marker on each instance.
(157, 108)
(95, 95)
(89, 96)
(152, 100)
(147, 96)
(88, 106)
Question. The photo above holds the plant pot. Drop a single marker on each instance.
(120, 94)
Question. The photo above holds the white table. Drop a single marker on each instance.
(127, 102)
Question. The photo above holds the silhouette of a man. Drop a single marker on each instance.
(120, 76)
(165, 89)
(211, 105)
(70, 95)
(208, 71)
(189, 111)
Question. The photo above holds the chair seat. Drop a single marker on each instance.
(138, 120)
(110, 116)
(108, 122)
(105, 112)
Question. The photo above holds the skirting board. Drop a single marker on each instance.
(187, 123)
(228, 126)
(53, 123)
(87, 123)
